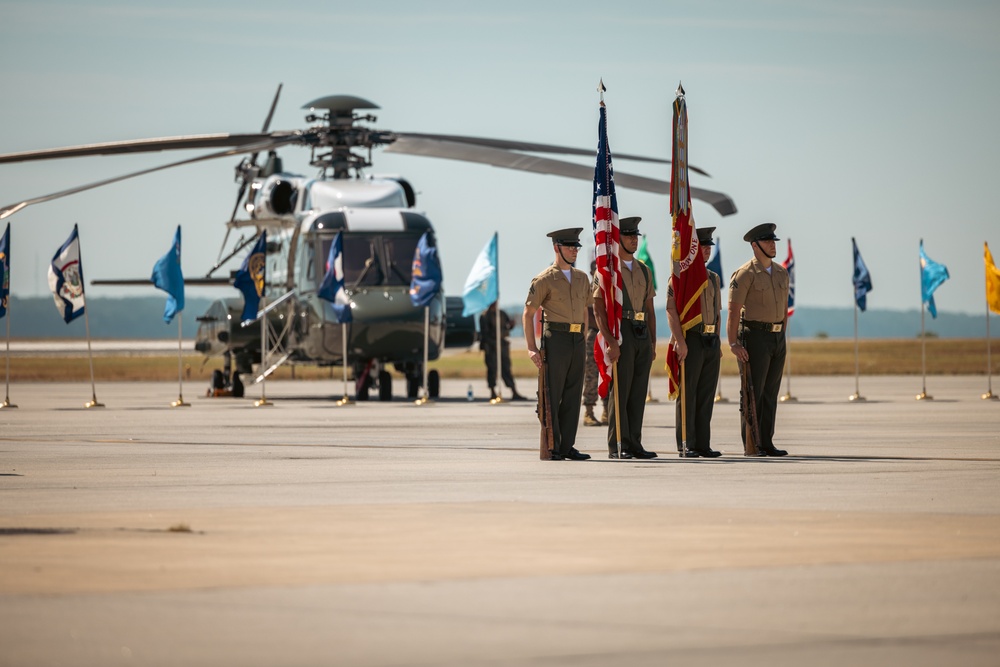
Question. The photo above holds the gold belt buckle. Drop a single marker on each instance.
(775, 328)
(575, 328)
(709, 329)
(640, 317)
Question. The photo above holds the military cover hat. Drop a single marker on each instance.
(629, 226)
(762, 232)
(705, 236)
(568, 237)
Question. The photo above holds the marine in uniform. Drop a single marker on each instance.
(699, 350)
(488, 344)
(563, 293)
(638, 347)
(758, 316)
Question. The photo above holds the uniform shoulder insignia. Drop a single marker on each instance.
(733, 284)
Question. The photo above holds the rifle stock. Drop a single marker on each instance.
(546, 442)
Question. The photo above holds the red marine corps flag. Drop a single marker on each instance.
(606, 238)
(689, 278)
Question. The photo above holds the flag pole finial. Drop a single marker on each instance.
(601, 88)
(680, 89)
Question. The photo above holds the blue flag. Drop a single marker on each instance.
(167, 276)
(66, 278)
(251, 276)
(932, 275)
(715, 261)
(4, 270)
(862, 279)
(426, 274)
(481, 288)
(332, 287)
(789, 265)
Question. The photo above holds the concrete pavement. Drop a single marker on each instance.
(388, 534)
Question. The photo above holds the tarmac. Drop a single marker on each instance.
(304, 533)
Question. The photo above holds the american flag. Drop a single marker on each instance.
(606, 238)
(789, 265)
(689, 278)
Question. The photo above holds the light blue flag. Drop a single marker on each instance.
(932, 275)
(425, 276)
(332, 287)
(715, 261)
(167, 276)
(481, 288)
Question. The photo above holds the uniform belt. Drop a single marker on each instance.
(564, 327)
(705, 329)
(637, 316)
(763, 326)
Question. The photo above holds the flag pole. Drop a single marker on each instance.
(7, 404)
(788, 378)
(922, 396)
(423, 400)
(496, 378)
(179, 403)
(856, 396)
(684, 422)
(262, 401)
(346, 400)
(617, 406)
(719, 398)
(93, 403)
(989, 395)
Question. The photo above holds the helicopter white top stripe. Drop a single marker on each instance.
(374, 220)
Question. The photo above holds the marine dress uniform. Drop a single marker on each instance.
(701, 365)
(636, 351)
(563, 295)
(763, 294)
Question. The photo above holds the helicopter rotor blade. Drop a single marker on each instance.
(10, 209)
(244, 180)
(412, 145)
(194, 141)
(529, 147)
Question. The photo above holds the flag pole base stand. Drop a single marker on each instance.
(496, 400)
(683, 451)
(924, 396)
(93, 404)
(346, 400)
(262, 402)
(423, 400)
(856, 398)
(7, 404)
(180, 403)
(719, 398)
(788, 398)
(988, 396)
(650, 399)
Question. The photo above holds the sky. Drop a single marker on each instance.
(832, 119)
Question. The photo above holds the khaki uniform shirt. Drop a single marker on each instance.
(711, 300)
(764, 296)
(562, 300)
(634, 282)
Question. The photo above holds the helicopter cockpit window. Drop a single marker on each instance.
(399, 254)
(361, 263)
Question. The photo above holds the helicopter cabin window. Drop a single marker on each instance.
(399, 252)
(361, 261)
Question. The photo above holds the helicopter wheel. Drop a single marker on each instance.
(384, 386)
(433, 384)
(412, 386)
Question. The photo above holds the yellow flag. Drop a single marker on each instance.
(992, 281)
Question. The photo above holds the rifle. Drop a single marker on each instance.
(748, 409)
(546, 442)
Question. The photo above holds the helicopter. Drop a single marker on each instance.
(379, 226)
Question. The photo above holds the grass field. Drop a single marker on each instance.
(808, 357)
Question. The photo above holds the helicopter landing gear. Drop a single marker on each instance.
(413, 386)
(384, 386)
(433, 384)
